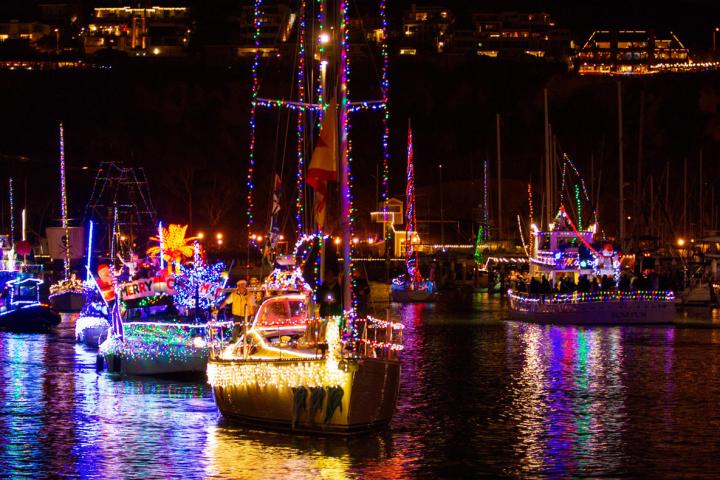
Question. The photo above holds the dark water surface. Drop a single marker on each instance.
(480, 396)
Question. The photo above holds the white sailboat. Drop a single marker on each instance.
(294, 370)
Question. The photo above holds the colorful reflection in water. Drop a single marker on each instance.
(480, 396)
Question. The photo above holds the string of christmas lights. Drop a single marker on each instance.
(599, 296)
(321, 54)
(347, 179)
(385, 88)
(300, 175)
(12, 211)
(257, 23)
(63, 203)
(199, 280)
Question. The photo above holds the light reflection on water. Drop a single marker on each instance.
(479, 396)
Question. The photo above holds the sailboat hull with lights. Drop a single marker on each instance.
(632, 308)
(66, 302)
(406, 295)
(31, 318)
(369, 392)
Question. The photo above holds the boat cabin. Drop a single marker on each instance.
(569, 253)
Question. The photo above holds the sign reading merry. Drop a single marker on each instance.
(146, 287)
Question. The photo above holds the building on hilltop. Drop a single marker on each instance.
(424, 30)
(515, 34)
(139, 29)
(630, 52)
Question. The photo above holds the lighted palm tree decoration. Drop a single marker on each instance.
(174, 246)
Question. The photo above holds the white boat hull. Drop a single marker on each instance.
(617, 312)
(91, 331)
(123, 358)
(157, 365)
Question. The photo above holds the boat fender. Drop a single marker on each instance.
(335, 396)
(317, 395)
(299, 403)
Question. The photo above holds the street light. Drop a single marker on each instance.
(715, 30)
(201, 235)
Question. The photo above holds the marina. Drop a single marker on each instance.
(511, 399)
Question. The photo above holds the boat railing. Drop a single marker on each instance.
(601, 296)
(376, 338)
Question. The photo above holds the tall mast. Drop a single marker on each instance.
(63, 202)
(12, 211)
(346, 207)
(621, 177)
(548, 206)
(410, 219)
(499, 174)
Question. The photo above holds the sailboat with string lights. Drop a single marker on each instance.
(574, 274)
(67, 294)
(294, 369)
(411, 286)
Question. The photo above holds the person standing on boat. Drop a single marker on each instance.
(243, 304)
(330, 295)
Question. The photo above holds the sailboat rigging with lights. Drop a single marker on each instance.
(294, 369)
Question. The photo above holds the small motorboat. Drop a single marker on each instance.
(20, 307)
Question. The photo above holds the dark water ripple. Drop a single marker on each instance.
(480, 397)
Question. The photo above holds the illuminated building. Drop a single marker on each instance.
(424, 30)
(514, 34)
(30, 31)
(276, 25)
(610, 52)
(140, 29)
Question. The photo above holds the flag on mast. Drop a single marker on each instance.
(323, 164)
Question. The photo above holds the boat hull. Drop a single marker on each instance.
(30, 319)
(620, 312)
(91, 331)
(155, 366)
(68, 302)
(369, 397)
(134, 358)
(412, 296)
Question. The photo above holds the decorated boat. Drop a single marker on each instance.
(411, 286)
(67, 294)
(161, 325)
(575, 279)
(20, 307)
(93, 324)
(294, 369)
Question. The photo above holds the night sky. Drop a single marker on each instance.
(172, 119)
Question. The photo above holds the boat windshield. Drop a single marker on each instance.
(282, 311)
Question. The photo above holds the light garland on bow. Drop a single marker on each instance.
(286, 280)
(291, 373)
(303, 250)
